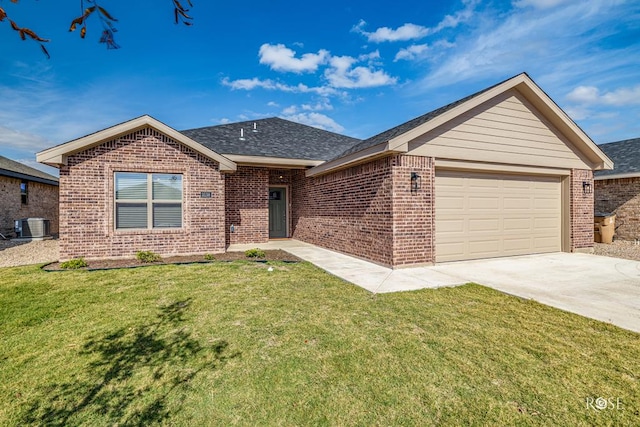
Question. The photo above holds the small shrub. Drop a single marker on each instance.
(254, 253)
(74, 264)
(148, 256)
(209, 257)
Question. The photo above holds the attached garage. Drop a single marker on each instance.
(502, 172)
(482, 215)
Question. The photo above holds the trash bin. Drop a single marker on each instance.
(604, 225)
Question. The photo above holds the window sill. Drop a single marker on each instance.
(138, 231)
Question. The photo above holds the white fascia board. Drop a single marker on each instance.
(273, 161)
(57, 155)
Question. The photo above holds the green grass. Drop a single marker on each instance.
(232, 343)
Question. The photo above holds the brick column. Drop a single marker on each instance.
(581, 211)
(413, 211)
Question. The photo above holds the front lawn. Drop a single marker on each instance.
(234, 343)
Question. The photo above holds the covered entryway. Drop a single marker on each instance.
(482, 215)
(277, 212)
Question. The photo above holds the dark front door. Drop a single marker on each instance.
(277, 212)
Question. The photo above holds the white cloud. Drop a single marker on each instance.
(292, 109)
(410, 31)
(506, 43)
(254, 83)
(619, 97)
(342, 74)
(317, 120)
(224, 121)
(584, 94)
(412, 52)
(272, 104)
(22, 140)
(539, 4)
(386, 34)
(281, 58)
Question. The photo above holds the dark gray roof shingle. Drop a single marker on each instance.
(275, 137)
(625, 155)
(15, 169)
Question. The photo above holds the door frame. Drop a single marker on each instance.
(287, 209)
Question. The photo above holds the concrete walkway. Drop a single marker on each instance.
(372, 277)
(602, 288)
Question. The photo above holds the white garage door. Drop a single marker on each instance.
(483, 216)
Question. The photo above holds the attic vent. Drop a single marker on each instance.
(255, 127)
(242, 135)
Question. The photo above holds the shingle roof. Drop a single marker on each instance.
(14, 169)
(411, 124)
(275, 137)
(625, 155)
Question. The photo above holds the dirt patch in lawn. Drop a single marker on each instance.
(103, 264)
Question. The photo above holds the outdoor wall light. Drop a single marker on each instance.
(416, 181)
(587, 188)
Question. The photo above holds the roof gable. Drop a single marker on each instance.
(396, 140)
(57, 155)
(15, 169)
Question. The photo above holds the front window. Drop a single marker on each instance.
(24, 192)
(148, 200)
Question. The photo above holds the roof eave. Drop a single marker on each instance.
(57, 156)
(617, 176)
(352, 159)
(280, 162)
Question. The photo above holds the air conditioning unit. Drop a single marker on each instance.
(32, 228)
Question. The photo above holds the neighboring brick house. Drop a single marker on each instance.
(501, 172)
(618, 190)
(26, 192)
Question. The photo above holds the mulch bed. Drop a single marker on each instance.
(106, 264)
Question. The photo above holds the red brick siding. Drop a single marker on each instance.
(87, 204)
(581, 210)
(413, 211)
(348, 210)
(247, 205)
(42, 203)
(621, 196)
(369, 210)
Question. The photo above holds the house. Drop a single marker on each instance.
(26, 192)
(501, 172)
(618, 190)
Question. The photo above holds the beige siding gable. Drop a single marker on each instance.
(507, 129)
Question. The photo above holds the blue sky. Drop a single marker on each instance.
(357, 67)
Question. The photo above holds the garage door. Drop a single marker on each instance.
(483, 216)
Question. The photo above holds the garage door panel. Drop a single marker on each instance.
(496, 215)
(453, 225)
(519, 225)
(486, 224)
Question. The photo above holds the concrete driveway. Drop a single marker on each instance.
(598, 287)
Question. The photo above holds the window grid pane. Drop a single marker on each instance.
(131, 215)
(167, 187)
(131, 186)
(167, 215)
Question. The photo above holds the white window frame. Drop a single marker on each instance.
(149, 201)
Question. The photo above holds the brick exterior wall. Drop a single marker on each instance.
(413, 211)
(348, 211)
(247, 205)
(581, 211)
(42, 203)
(369, 210)
(87, 199)
(622, 197)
